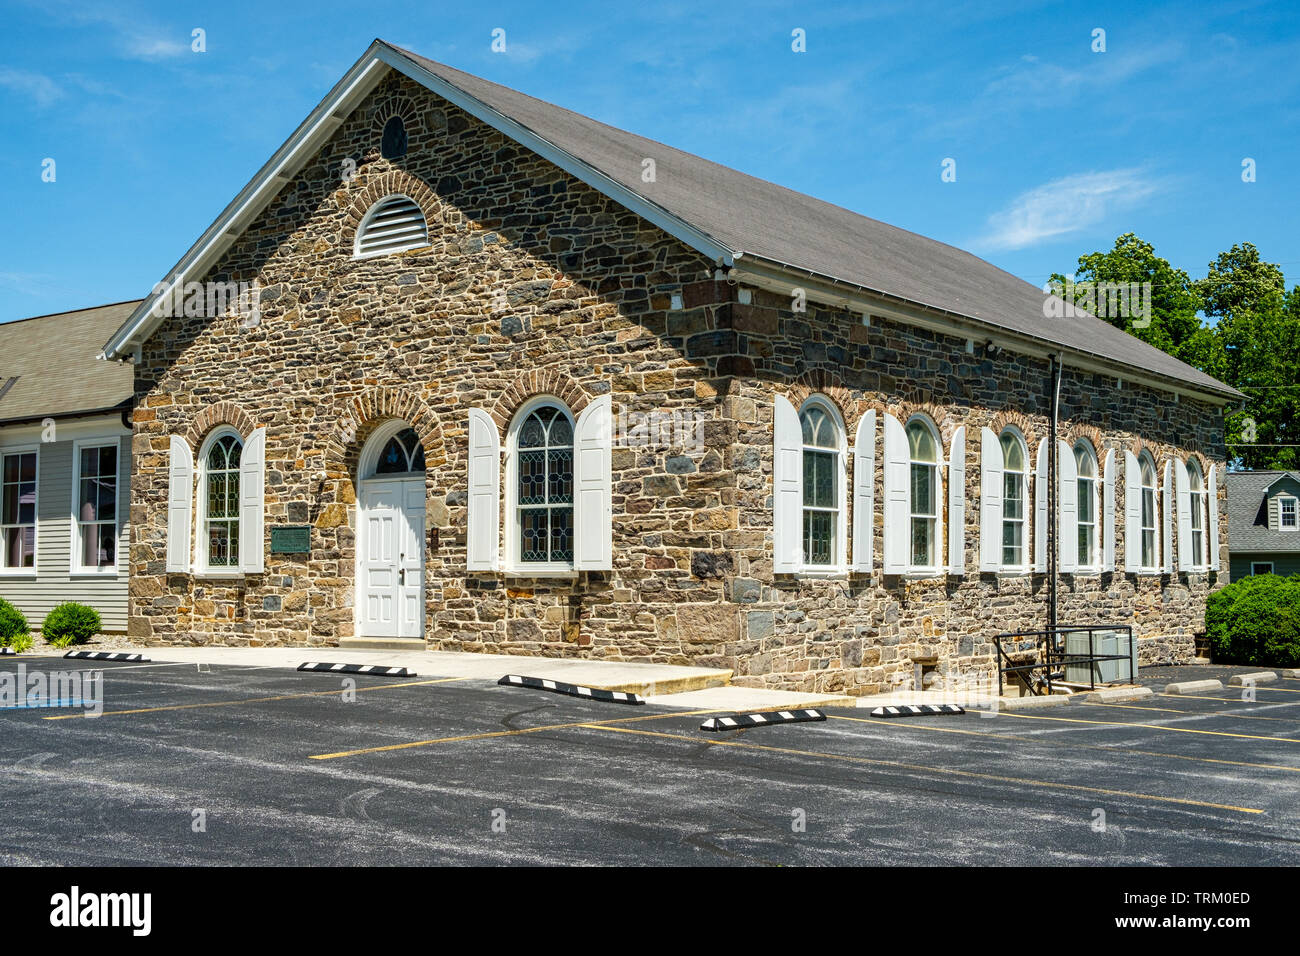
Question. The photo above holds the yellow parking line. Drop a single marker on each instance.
(949, 771)
(1070, 746)
(1172, 730)
(251, 700)
(508, 733)
(1223, 712)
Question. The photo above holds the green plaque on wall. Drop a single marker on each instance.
(291, 540)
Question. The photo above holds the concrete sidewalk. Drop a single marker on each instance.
(644, 679)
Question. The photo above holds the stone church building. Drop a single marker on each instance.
(512, 380)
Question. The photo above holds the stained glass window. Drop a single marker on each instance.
(544, 444)
(1014, 484)
(401, 454)
(221, 515)
(923, 493)
(821, 469)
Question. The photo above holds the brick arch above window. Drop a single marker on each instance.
(1021, 423)
(222, 413)
(1091, 433)
(392, 182)
(818, 381)
(544, 381)
(940, 416)
(359, 415)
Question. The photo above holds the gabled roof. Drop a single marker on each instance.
(48, 367)
(732, 218)
(1248, 530)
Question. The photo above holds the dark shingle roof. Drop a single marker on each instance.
(1248, 529)
(758, 218)
(53, 359)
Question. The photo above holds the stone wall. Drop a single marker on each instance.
(534, 283)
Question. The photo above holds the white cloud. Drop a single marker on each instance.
(1063, 206)
(38, 87)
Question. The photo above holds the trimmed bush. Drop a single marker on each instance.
(14, 631)
(1256, 621)
(70, 623)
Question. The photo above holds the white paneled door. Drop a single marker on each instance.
(390, 565)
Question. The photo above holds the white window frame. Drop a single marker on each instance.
(1026, 503)
(74, 561)
(1145, 459)
(840, 558)
(1295, 512)
(5, 570)
(370, 214)
(511, 564)
(200, 549)
(936, 568)
(1199, 503)
(1093, 565)
(1261, 564)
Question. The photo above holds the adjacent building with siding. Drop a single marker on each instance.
(65, 465)
(1264, 522)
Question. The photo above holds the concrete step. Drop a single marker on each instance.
(382, 643)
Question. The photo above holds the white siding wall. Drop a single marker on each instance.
(53, 583)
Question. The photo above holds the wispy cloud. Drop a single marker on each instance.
(38, 87)
(133, 34)
(1064, 206)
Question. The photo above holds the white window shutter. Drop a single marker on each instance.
(593, 486)
(483, 525)
(898, 508)
(1040, 509)
(1108, 512)
(1132, 513)
(180, 499)
(1183, 489)
(1212, 529)
(787, 487)
(864, 494)
(1067, 535)
(990, 501)
(1166, 557)
(252, 495)
(957, 502)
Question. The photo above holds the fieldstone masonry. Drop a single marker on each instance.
(534, 283)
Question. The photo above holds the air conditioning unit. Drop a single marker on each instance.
(1103, 642)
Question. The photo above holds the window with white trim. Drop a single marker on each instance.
(1015, 463)
(923, 495)
(18, 510)
(823, 485)
(541, 492)
(96, 515)
(394, 224)
(1089, 541)
(1148, 512)
(219, 502)
(1198, 504)
(1286, 513)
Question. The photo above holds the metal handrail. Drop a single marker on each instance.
(1046, 643)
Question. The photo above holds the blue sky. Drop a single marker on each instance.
(1058, 149)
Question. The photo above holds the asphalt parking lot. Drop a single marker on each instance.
(427, 770)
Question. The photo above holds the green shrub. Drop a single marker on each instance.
(70, 623)
(1256, 621)
(13, 627)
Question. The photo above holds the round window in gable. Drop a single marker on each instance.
(393, 143)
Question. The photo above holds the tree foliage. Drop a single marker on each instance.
(1250, 338)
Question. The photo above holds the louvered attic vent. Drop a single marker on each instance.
(392, 225)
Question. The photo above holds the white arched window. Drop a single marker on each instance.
(1150, 556)
(823, 534)
(540, 484)
(394, 224)
(1089, 541)
(923, 494)
(1015, 484)
(219, 501)
(400, 454)
(1197, 513)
